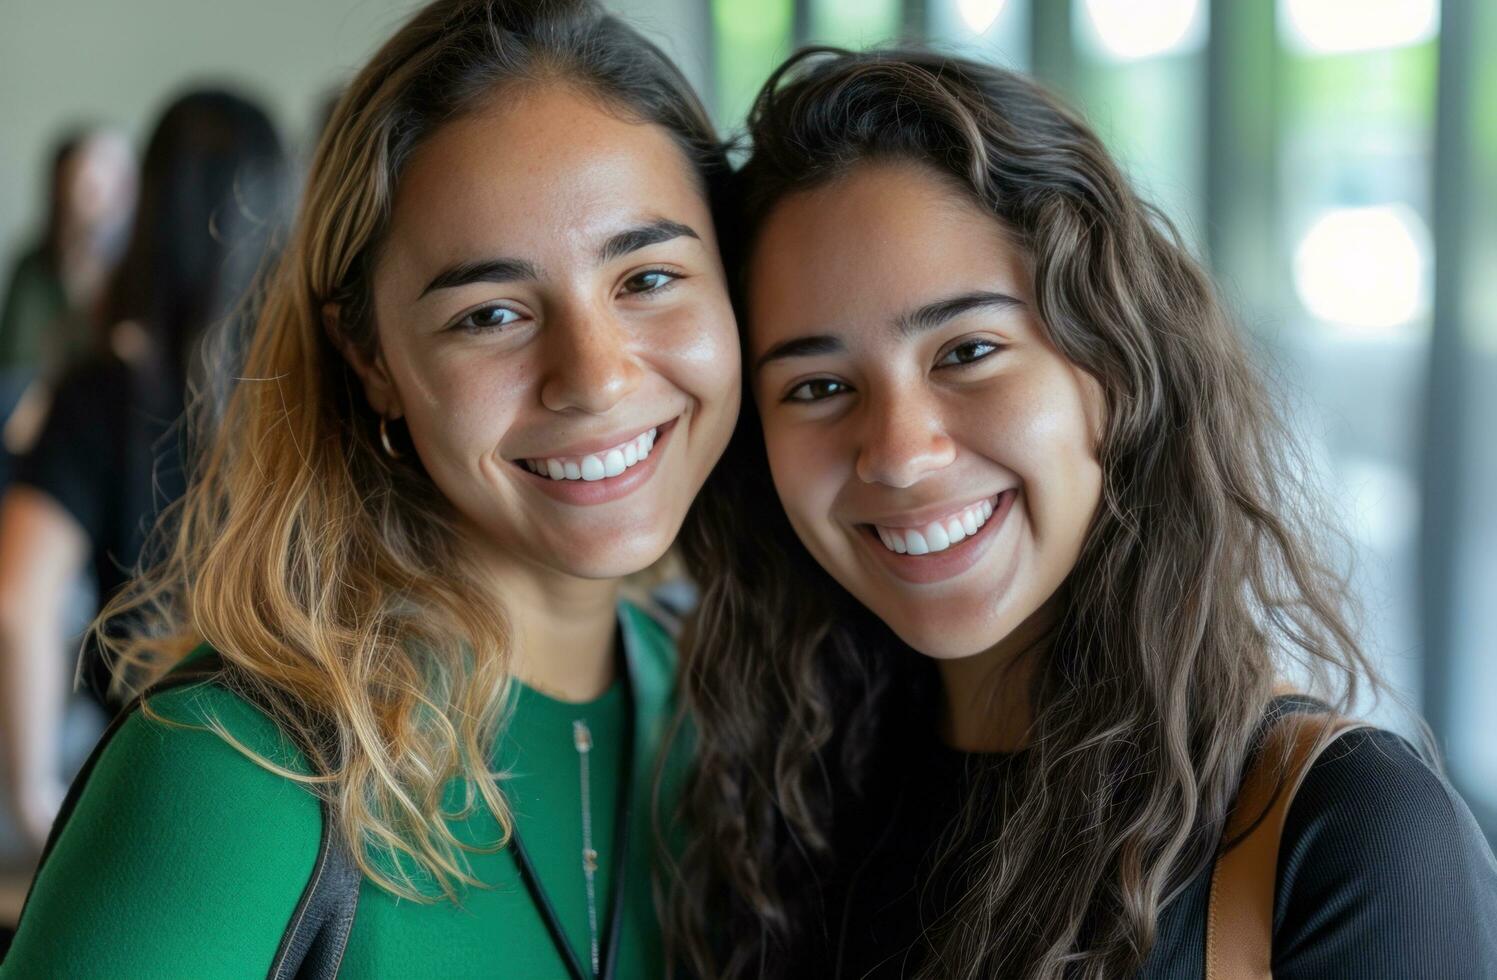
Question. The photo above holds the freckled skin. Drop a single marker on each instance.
(545, 174)
(846, 259)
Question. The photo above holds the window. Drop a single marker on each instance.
(994, 30)
(1137, 70)
(1464, 521)
(853, 23)
(750, 37)
(1355, 147)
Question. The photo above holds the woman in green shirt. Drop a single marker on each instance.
(492, 369)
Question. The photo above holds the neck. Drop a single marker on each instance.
(563, 630)
(985, 697)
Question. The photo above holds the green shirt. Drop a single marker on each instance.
(184, 858)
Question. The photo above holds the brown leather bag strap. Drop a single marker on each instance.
(1239, 920)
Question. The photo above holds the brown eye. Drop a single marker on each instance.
(815, 390)
(968, 352)
(487, 318)
(649, 281)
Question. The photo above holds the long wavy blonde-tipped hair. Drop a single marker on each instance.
(303, 553)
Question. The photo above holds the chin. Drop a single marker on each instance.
(943, 643)
(624, 559)
(948, 630)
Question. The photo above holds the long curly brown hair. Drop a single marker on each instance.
(1205, 574)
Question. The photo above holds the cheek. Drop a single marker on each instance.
(1039, 427)
(806, 478)
(459, 408)
(697, 348)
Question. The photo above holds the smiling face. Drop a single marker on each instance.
(554, 327)
(932, 449)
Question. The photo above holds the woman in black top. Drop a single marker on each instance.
(214, 189)
(999, 579)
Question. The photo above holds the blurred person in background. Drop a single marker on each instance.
(52, 296)
(109, 455)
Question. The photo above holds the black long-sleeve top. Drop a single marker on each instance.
(1383, 873)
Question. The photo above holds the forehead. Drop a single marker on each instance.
(854, 253)
(538, 169)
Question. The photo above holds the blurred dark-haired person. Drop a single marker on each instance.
(999, 582)
(108, 458)
(53, 293)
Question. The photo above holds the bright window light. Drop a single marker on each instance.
(1335, 26)
(1364, 268)
(1127, 30)
(979, 15)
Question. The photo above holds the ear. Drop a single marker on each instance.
(373, 373)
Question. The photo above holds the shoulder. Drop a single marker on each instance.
(185, 757)
(206, 718)
(1382, 864)
(176, 846)
(192, 743)
(1372, 787)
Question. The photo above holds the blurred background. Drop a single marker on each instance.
(1333, 161)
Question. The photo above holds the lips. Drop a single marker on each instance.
(936, 536)
(602, 465)
(948, 561)
(587, 489)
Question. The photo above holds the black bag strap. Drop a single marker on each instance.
(312, 945)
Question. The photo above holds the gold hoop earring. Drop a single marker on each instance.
(384, 440)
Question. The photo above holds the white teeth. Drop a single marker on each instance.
(598, 466)
(938, 535)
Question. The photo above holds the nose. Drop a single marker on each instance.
(903, 439)
(590, 367)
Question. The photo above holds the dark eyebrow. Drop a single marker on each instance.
(635, 239)
(927, 317)
(800, 347)
(932, 315)
(481, 270)
(515, 270)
